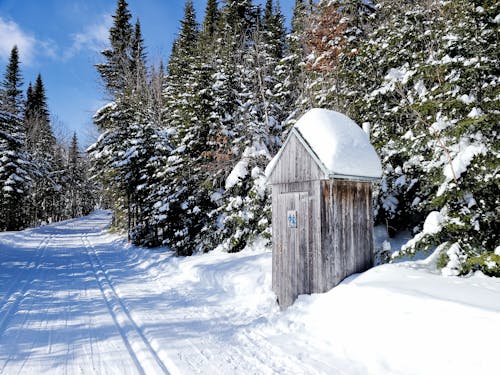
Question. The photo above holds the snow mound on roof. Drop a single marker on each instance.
(341, 145)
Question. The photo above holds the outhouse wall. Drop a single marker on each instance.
(296, 185)
(333, 237)
(296, 251)
(295, 164)
(346, 230)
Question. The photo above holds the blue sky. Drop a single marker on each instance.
(61, 39)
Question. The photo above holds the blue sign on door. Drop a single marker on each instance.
(292, 219)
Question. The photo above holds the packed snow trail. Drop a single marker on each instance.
(75, 299)
(58, 313)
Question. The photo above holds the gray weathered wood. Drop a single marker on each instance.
(290, 265)
(334, 234)
(295, 165)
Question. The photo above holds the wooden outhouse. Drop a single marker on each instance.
(322, 222)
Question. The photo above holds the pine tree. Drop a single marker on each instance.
(247, 59)
(210, 22)
(37, 118)
(91, 191)
(110, 158)
(290, 72)
(14, 164)
(273, 29)
(138, 59)
(119, 60)
(75, 178)
(271, 52)
(42, 114)
(14, 173)
(188, 112)
(121, 154)
(12, 94)
(28, 108)
(41, 145)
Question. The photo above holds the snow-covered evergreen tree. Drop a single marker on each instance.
(41, 145)
(14, 164)
(447, 143)
(11, 93)
(250, 49)
(126, 145)
(116, 70)
(75, 178)
(14, 173)
(424, 79)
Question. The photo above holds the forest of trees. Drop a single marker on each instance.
(182, 152)
(183, 147)
(42, 180)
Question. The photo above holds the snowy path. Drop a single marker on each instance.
(54, 314)
(73, 300)
(77, 300)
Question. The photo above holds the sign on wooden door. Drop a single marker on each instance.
(292, 218)
(291, 261)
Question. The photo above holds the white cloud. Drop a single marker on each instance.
(13, 35)
(93, 37)
(49, 48)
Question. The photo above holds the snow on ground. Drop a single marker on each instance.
(76, 299)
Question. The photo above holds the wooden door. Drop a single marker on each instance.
(291, 273)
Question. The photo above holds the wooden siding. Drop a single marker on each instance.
(346, 231)
(333, 239)
(284, 252)
(334, 235)
(295, 164)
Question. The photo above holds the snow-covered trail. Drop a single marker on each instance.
(74, 299)
(58, 313)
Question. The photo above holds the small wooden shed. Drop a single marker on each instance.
(321, 204)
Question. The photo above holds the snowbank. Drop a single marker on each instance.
(400, 318)
(79, 299)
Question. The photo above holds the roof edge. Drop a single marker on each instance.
(328, 173)
(337, 176)
(308, 148)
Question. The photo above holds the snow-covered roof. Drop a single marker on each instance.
(339, 146)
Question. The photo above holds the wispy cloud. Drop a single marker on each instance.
(29, 46)
(94, 37)
(12, 35)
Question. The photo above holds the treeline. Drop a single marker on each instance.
(170, 142)
(424, 75)
(182, 152)
(41, 180)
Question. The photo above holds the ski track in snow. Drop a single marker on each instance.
(76, 300)
(53, 319)
(144, 356)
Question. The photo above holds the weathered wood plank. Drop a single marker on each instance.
(303, 233)
(295, 165)
(276, 256)
(291, 272)
(334, 237)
